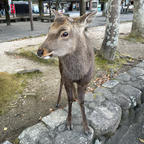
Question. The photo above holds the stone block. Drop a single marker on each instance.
(124, 77)
(141, 65)
(75, 136)
(37, 134)
(110, 84)
(105, 118)
(133, 93)
(89, 97)
(6, 142)
(55, 119)
(136, 71)
(102, 93)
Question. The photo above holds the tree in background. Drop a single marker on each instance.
(30, 14)
(110, 41)
(40, 2)
(82, 7)
(138, 19)
(57, 4)
(6, 7)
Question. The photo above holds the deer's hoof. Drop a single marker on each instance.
(87, 131)
(69, 126)
(57, 105)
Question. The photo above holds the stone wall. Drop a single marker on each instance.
(111, 112)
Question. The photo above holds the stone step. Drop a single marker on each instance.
(103, 119)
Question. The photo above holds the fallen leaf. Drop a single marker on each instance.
(40, 118)
(50, 109)
(141, 140)
(5, 129)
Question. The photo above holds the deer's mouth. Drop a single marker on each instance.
(48, 55)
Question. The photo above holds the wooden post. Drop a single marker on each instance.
(30, 14)
(82, 7)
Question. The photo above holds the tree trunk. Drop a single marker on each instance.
(110, 41)
(138, 18)
(82, 7)
(30, 14)
(49, 7)
(57, 4)
(6, 6)
(40, 7)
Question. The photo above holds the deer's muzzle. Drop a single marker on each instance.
(44, 53)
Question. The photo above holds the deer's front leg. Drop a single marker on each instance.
(81, 94)
(60, 91)
(69, 91)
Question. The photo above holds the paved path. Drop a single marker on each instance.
(22, 29)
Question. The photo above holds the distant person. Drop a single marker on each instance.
(2, 12)
(12, 6)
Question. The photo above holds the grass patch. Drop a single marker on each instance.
(134, 38)
(10, 87)
(16, 141)
(29, 52)
(106, 65)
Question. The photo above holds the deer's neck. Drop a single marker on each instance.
(78, 64)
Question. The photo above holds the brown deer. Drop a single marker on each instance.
(68, 41)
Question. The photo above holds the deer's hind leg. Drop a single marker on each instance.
(69, 91)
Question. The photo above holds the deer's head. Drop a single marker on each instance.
(63, 34)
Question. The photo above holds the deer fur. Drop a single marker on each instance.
(68, 41)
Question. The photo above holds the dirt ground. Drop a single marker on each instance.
(40, 95)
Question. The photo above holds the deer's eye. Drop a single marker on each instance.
(65, 34)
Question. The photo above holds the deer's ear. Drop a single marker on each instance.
(86, 18)
(56, 13)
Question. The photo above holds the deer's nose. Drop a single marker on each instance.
(40, 52)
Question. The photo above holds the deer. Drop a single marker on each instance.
(67, 40)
